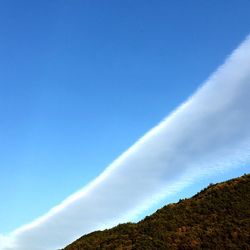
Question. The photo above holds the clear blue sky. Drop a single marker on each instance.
(81, 81)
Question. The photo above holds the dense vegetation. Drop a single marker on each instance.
(216, 218)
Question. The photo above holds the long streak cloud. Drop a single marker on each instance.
(208, 133)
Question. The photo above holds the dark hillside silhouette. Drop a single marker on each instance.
(218, 217)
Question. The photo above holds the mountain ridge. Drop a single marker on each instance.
(218, 217)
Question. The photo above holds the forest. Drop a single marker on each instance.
(218, 217)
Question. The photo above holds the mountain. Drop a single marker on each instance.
(218, 217)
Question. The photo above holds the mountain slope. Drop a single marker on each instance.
(216, 218)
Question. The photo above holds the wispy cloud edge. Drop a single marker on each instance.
(207, 133)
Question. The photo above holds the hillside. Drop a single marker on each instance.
(216, 218)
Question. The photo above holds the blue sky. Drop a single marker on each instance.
(81, 81)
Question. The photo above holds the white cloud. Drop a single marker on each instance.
(208, 133)
(5, 242)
